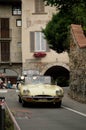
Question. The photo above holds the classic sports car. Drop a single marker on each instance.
(38, 89)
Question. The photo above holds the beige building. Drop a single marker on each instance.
(22, 44)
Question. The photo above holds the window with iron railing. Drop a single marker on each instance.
(16, 10)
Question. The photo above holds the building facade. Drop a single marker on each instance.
(22, 43)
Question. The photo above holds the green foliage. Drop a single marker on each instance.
(62, 81)
(8, 122)
(56, 33)
(58, 29)
(64, 4)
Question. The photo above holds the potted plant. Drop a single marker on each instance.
(39, 54)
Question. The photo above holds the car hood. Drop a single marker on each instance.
(41, 89)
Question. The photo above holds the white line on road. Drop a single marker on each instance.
(80, 113)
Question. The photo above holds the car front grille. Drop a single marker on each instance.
(43, 97)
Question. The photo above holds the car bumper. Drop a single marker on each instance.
(39, 99)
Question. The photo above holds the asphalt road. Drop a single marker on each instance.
(71, 116)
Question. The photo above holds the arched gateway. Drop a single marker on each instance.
(58, 71)
(65, 66)
(10, 74)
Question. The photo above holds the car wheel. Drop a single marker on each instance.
(23, 103)
(20, 100)
(58, 104)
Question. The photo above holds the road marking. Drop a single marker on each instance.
(80, 113)
(3, 91)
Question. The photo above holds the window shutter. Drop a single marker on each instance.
(39, 6)
(32, 41)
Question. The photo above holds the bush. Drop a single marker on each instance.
(8, 122)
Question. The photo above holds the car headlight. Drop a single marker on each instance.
(26, 92)
(59, 92)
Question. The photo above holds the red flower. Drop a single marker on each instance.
(39, 54)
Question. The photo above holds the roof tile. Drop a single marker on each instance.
(79, 35)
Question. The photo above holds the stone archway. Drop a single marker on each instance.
(9, 74)
(66, 66)
(58, 72)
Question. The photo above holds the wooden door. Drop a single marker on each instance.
(5, 51)
(4, 27)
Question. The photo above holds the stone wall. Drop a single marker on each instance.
(77, 64)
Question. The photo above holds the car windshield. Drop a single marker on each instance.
(38, 80)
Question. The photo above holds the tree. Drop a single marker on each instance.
(56, 33)
(64, 4)
(57, 30)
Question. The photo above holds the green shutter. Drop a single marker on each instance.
(32, 41)
(39, 6)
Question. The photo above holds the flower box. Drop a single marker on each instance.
(39, 54)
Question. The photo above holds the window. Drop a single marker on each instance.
(39, 6)
(18, 23)
(40, 42)
(16, 10)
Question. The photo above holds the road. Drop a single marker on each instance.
(71, 116)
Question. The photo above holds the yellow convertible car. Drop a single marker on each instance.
(38, 89)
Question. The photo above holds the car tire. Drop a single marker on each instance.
(23, 103)
(58, 104)
(20, 101)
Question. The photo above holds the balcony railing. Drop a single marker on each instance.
(5, 34)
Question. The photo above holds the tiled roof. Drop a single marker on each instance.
(79, 35)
